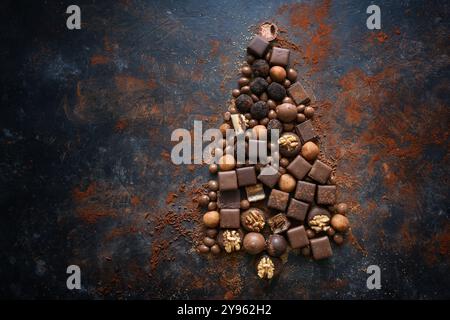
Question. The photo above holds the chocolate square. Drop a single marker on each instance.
(230, 218)
(278, 200)
(297, 210)
(297, 237)
(298, 93)
(229, 199)
(279, 57)
(258, 46)
(320, 172)
(305, 131)
(246, 176)
(299, 167)
(257, 151)
(305, 191)
(227, 180)
(279, 223)
(321, 248)
(326, 195)
(269, 176)
(255, 193)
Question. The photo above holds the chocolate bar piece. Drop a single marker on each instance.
(297, 210)
(255, 193)
(320, 172)
(227, 180)
(297, 237)
(269, 176)
(238, 121)
(298, 93)
(299, 167)
(258, 46)
(229, 199)
(279, 57)
(279, 223)
(306, 131)
(278, 200)
(246, 176)
(305, 191)
(326, 195)
(230, 218)
(321, 248)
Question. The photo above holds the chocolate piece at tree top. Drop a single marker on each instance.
(278, 200)
(297, 210)
(246, 176)
(227, 180)
(297, 237)
(299, 167)
(258, 46)
(306, 131)
(229, 199)
(321, 248)
(298, 94)
(305, 191)
(269, 176)
(229, 218)
(326, 195)
(279, 57)
(320, 172)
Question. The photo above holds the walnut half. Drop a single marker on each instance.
(265, 268)
(320, 223)
(290, 142)
(231, 241)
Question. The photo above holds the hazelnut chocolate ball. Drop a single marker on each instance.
(246, 90)
(272, 105)
(213, 168)
(252, 123)
(340, 223)
(245, 204)
(276, 91)
(211, 219)
(215, 249)
(260, 68)
(254, 242)
(213, 185)
(244, 103)
(342, 208)
(287, 183)
(212, 195)
(243, 81)
(288, 126)
(250, 59)
(286, 112)
(276, 245)
(331, 232)
(310, 233)
(310, 151)
(246, 71)
(212, 205)
(278, 74)
(203, 200)
(235, 93)
(301, 108)
(289, 144)
(211, 232)
(259, 110)
(338, 239)
(287, 100)
(259, 132)
(300, 118)
(292, 74)
(272, 114)
(258, 86)
(226, 163)
(275, 124)
(203, 249)
(264, 121)
(309, 112)
(284, 162)
(286, 83)
(209, 241)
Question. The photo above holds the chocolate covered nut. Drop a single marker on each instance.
(211, 219)
(253, 220)
(203, 200)
(203, 248)
(298, 93)
(276, 245)
(230, 239)
(213, 168)
(243, 81)
(235, 93)
(299, 167)
(255, 193)
(227, 180)
(245, 204)
(297, 237)
(243, 103)
(326, 195)
(246, 176)
(269, 176)
(342, 208)
(320, 172)
(279, 57)
(209, 241)
(258, 46)
(215, 249)
(289, 144)
(310, 151)
(278, 74)
(287, 183)
(319, 219)
(260, 68)
(306, 131)
(309, 112)
(297, 210)
(340, 223)
(338, 239)
(246, 71)
(229, 218)
(258, 85)
(229, 199)
(278, 200)
(276, 91)
(254, 242)
(212, 205)
(291, 74)
(211, 232)
(305, 191)
(279, 223)
(286, 112)
(259, 110)
(213, 185)
(321, 248)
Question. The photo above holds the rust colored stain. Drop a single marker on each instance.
(135, 200)
(171, 196)
(99, 59)
(131, 84)
(121, 125)
(121, 232)
(79, 195)
(215, 44)
(91, 213)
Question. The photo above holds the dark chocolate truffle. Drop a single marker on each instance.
(258, 86)
(276, 91)
(260, 68)
(276, 245)
(244, 103)
(259, 110)
(254, 242)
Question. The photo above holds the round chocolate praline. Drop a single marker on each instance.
(258, 85)
(260, 68)
(276, 245)
(244, 103)
(290, 148)
(254, 242)
(276, 91)
(253, 220)
(286, 112)
(259, 110)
